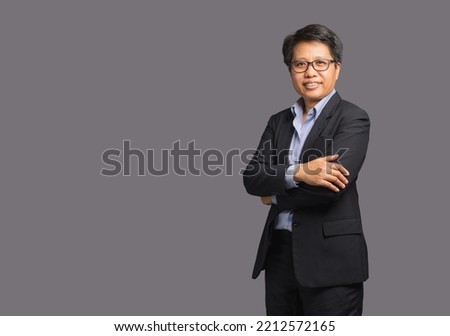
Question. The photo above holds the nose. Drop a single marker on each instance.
(310, 71)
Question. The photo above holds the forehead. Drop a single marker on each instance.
(311, 50)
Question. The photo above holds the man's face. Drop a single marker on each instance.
(313, 85)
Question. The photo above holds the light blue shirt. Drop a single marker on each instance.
(301, 130)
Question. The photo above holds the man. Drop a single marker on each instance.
(312, 248)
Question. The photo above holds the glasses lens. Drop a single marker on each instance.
(318, 65)
(299, 66)
(321, 65)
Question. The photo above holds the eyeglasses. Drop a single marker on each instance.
(318, 65)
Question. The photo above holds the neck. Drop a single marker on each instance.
(308, 108)
(307, 105)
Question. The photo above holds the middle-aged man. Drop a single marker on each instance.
(312, 248)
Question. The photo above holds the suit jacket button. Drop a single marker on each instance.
(294, 224)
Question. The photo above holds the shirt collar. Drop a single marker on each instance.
(297, 108)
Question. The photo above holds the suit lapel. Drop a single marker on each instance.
(286, 132)
(321, 122)
(284, 137)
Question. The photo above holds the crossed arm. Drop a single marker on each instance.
(319, 181)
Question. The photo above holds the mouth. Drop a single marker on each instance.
(311, 85)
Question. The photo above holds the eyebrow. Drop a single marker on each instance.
(304, 59)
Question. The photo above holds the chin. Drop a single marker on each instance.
(313, 96)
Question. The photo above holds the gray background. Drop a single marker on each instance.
(79, 77)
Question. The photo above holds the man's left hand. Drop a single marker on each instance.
(267, 200)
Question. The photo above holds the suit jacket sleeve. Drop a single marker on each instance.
(264, 175)
(350, 140)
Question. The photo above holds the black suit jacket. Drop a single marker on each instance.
(329, 248)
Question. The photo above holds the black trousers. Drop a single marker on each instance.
(285, 296)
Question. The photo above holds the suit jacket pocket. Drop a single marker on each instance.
(340, 227)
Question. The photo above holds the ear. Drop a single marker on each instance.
(338, 70)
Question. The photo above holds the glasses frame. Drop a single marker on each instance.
(312, 64)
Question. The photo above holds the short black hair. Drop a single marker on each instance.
(313, 32)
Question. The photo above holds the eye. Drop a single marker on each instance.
(320, 62)
(300, 64)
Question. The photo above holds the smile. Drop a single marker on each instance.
(311, 85)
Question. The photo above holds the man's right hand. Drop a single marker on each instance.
(322, 172)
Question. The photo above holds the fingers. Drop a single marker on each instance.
(266, 200)
(336, 181)
(331, 157)
(339, 175)
(329, 185)
(326, 172)
(336, 176)
(339, 167)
